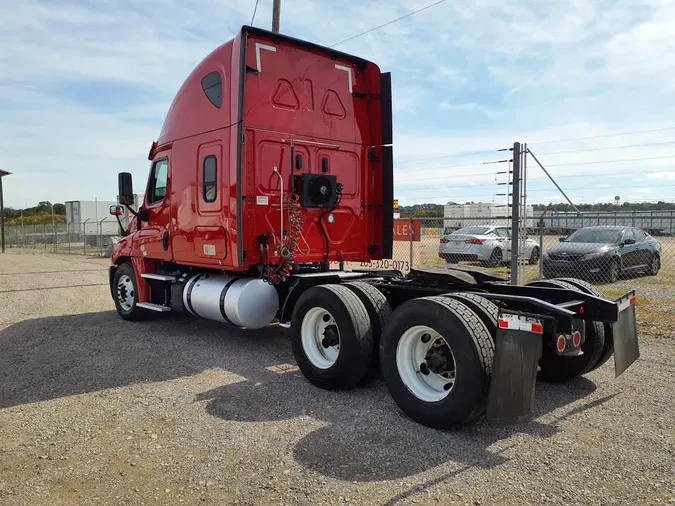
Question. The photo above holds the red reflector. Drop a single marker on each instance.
(537, 328)
(632, 301)
(576, 338)
(503, 324)
(474, 241)
(581, 310)
(561, 344)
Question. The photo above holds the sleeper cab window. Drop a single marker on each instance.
(160, 174)
(212, 84)
(210, 168)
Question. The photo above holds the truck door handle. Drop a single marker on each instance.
(165, 240)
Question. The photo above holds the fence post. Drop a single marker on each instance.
(410, 240)
(541, 248)
(515, 213)
(68, 229)
(34, 233)
(44, 235)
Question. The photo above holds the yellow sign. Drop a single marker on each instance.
(395, 204)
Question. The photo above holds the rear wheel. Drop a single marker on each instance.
(484, 309)
(436, 357)
(534, 257)
(331, 337)
(378, 310)
(556, 368)
(496, 258)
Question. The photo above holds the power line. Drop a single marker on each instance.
(484, 195)
(477, 164)
(455, 155)
(602, 136)
(255, 9)
(612, 161)
(552, 165)
(607, 148)
(389, 23)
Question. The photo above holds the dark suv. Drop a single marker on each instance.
(603, 253)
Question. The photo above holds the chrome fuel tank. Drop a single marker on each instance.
(243, 301)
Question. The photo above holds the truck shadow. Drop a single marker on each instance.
(363, 437)
(366, 437)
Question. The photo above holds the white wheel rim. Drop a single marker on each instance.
(414, 365)
(125, 292)
(313, 332)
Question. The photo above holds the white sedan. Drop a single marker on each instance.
(485, 243)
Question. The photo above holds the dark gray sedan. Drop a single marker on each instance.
(604, 252)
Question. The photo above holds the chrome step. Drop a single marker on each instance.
(153, 307)
(159, 277)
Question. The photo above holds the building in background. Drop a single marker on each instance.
(456, 216)
(91, 219)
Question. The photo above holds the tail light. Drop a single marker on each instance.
(444, 241)
(474, 241)
(561, 344)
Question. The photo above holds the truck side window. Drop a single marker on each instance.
(160, 173)
(212, 84)
(210, 167)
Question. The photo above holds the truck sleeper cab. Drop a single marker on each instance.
(275, 159)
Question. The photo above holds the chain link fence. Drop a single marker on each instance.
(88, 238)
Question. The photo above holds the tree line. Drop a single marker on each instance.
(41, 213)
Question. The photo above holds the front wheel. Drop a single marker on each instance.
(613, 271)
(654, 265)
(125, 293)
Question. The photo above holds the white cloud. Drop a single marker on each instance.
(509, 70)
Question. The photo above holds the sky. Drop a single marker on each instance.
(589, 85)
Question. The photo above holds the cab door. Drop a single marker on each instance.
(154, 238)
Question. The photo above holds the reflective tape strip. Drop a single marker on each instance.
(626, 303)
(513, 322)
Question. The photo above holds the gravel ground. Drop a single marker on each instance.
(95, 410)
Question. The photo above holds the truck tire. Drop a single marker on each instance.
(125, 293)
(331, 337)
(558, 369)
(486, 310)
(433, 334)
(378, 310)
(608, 347)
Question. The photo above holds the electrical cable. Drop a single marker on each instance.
(389, 22)
(602, 136)
(607, 148)
(323, 229)
(255, 9)
(454, 155)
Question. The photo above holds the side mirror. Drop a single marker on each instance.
(116, 211)
(562, 239)
(125, 189)
(629, 241)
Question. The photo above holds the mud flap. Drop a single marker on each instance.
(518, 348)
(626, 348)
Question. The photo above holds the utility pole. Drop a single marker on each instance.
(2, 211)
(515, 213)
(276, 14)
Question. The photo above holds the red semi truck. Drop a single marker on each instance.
(274, 161)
